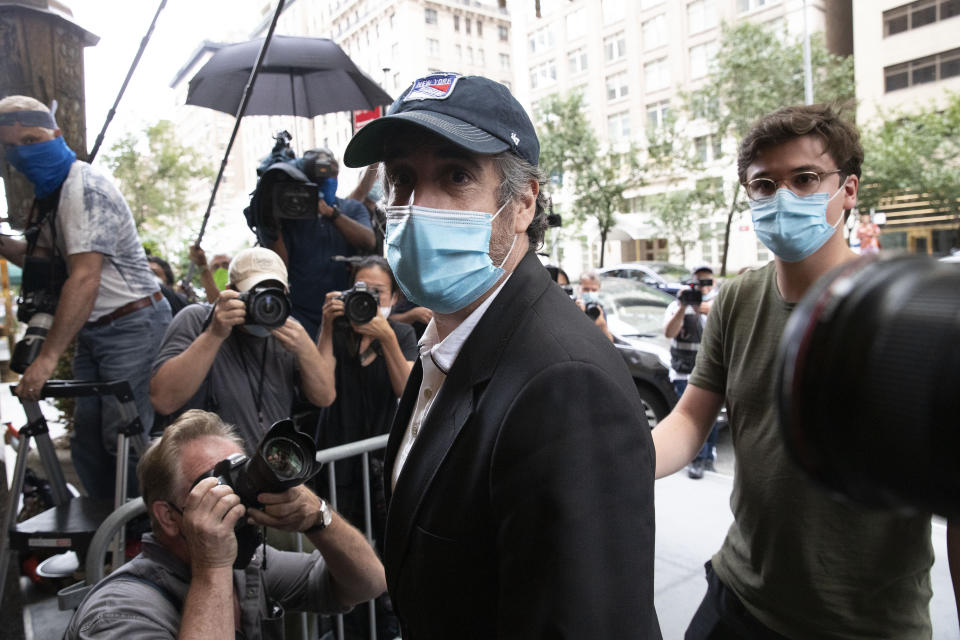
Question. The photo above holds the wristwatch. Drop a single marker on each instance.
(326, 517)
(336, 213)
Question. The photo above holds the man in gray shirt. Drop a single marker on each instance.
(212, 359)
(186, 581)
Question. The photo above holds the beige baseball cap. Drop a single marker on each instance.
(252, 266)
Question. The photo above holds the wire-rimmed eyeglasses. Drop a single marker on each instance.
(802, 183)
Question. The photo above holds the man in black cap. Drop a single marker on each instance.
(519, 466)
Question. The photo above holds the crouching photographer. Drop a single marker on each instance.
(370, 357)
(203, 572)
(245, 358)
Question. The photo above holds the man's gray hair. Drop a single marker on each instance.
(590, 275)
(516, 174)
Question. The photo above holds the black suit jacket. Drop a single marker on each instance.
(525, 507)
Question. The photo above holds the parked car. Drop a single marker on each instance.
(663, 275)
(634, 313)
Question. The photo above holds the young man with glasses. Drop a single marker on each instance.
(796, 562)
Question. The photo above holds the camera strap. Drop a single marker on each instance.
(256, 387)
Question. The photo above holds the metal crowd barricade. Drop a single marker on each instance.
(330, 457)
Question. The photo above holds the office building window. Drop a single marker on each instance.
(469, 25)
(657, 113)
(656, 75)
(615, 46)
(543, 74)
(541, 40)
(618, 125)
(922, 70)
(505, 61)
(701, 15)
(456, 23)
(700, 58)
(654, 31)
(433, 46)
(480, 28)
(749, 5)
(617, 86)
(430, 16)
(918, 14)
(577, 60)
(503, 33)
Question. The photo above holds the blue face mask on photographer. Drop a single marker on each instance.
(45, 164)
(440, 257)
(328, 190)
(793, 227)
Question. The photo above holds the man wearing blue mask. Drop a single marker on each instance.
(589, 301)
(308, 246)
(796, 562)
(80, 227)
(519, 466)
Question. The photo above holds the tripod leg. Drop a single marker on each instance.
(10, 512)
(51, 464)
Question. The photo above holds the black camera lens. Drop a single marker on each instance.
(360, 306)
(869, 363)
(266, 306)
(284, 457)
(593, 309)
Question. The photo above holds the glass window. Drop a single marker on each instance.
(700, 58)
(433, 46)
(656, 75)
(895, 21)
(617, 86)
(459, 49)
(749, 5)
(896, 77)
(654, 31)
(468, 23)
(541, 40)
(456, 23)
(701, 15)
(657, 113)
(700, 148)
(646, 4)
(479, 28)
(503, 33)
(577, 60)
(615, 46)
(430, 16)
(950, 64)
(924, 70)
(949, 9)
(618, 125)
(923, 13)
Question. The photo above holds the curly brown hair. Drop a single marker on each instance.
(840, 137)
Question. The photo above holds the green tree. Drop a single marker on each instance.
(159, 177)
(570, 154)
(916, 152)
(757, 70)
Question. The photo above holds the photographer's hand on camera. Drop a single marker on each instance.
(297, 509)
(316, 374)
(229, 312)
(210, 513)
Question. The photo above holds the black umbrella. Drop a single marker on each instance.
(300, 77)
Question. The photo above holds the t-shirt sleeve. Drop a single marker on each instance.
(710, 373)
(91, 214)
(670, 311)
(183, 330)
(301, 582)
(407, 338)
(355, 211)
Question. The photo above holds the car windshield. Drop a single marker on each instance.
(670, 272)
(632, 308)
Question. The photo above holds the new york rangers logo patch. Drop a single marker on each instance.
(438, 86)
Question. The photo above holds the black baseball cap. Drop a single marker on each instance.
(473, 112)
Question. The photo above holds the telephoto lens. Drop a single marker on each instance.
(867, 388)
(28, 348)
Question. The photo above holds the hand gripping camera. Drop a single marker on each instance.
(285, 458)
(42, 280)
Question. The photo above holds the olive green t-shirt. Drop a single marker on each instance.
(802, 562)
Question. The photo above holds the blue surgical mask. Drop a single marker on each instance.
(440, 256)
(45, 164)
(589, 296)
(793, 227)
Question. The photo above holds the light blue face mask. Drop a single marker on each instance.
(440, 256)
(793, 227)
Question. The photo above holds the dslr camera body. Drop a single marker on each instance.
(360, 306)
(39, 294)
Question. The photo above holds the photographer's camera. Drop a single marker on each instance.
(360, 305)
(267, 306)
